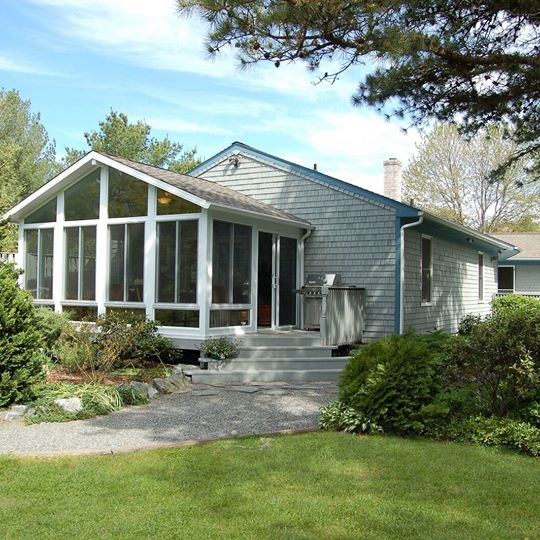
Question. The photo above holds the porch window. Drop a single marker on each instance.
(177, 261)
(81, 201)
(186, 318)
(44, 214)
(80, 263)
(427, 269)
(126, 262)
(231, 263)
(81, 313)
(38, 277)
(505, 279)
(480, 276)
(128, 197)
(229, 317)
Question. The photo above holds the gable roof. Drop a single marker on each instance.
(197, 190)
(402, 209)
(529, 243)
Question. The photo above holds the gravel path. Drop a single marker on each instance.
(206, 413)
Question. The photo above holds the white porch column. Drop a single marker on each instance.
(20, 262)
(204, 273)
(150, 235)
(101, 242)
(58, 254)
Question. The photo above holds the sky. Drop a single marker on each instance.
(75, 60)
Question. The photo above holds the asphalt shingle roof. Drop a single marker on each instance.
(529, 243)
(211, 192)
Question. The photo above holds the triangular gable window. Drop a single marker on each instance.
(45, 214)
(81, 201)
(168, 204)
(128, 197)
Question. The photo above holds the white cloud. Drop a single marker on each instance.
(8, 63)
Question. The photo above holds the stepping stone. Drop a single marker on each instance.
(244, 389)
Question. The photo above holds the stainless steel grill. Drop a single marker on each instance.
(311, 291)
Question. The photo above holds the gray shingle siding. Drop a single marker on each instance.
(527, 279)
(352, 236)
(455, 284)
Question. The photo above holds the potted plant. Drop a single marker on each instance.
(220, 349)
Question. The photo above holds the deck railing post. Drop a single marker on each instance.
(324, 330)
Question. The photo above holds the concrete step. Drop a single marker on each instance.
(284, 364)
(281, 340)
(285, 351)
(245, 376)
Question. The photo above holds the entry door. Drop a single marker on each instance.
(276, 299)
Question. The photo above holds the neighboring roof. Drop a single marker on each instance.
(200, 191)
(529, 243)
(402, 209)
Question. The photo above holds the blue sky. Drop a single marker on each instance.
(77, 59)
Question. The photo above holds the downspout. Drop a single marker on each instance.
(402, 268)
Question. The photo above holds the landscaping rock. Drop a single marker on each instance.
(16, 412)
(244, 389)
(144, 389)
(69, 405)
(275, 392)
(174, 384)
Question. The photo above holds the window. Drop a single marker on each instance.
(126, 262)
(228, 317)
(231, 263)
(128, 197)
(45, 214)
(177, 262)
(480, 276)
(505, 279)
(169, 204)
(177, 317)
(80, 263)
(427, 270)
(81, 201)
(38, 276)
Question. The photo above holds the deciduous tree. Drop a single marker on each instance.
(449, 176)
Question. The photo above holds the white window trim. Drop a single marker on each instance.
(430, 238)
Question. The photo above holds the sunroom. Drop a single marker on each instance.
(203, 260)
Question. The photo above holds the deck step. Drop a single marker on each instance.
(306, 339)
(285, 351)
(245, 376)
(288, 363)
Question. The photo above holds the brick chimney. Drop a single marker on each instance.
(392, 178)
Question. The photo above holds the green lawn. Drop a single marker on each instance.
(320, 485)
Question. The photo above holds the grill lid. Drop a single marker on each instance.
(318, 280)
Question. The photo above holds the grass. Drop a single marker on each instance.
(320, 485)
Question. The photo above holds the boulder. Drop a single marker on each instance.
(69, 405)
(15, 412)
(174, 384)
(143, 389)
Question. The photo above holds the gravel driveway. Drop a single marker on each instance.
(203, 414)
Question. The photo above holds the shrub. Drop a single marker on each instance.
(221, 348)
(395, 382)
(336, 416)
(499, 432)
(51, 325)
(494, 364)
(22, 360)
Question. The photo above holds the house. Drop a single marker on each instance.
(520, 273)
(224, 250)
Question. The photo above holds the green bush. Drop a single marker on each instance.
(493, 364)
(51, 325)
(395, 382)
(499, 432)
(22, 361)
(336, 416)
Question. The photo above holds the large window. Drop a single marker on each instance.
(231, 263)
(126, 262)
(505, 282)
(177, 262)
(480, 276)
(128, 197)
(427, 270)
(38, 277)
(44, 214)
(81, 201)
(80, 283)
